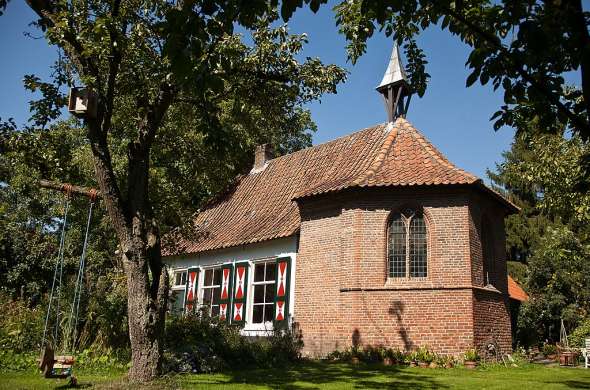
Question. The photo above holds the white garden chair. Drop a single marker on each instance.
(586, 353)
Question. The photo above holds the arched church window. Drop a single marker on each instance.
(407, 245)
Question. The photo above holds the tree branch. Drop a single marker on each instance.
(139, 150)
(70, 188)
(581, 34)
(45, 10)
(107, 180)
(114, 63)
(582, 125)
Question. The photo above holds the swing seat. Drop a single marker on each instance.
(55, 366)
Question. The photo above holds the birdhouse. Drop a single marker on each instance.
(82, 102)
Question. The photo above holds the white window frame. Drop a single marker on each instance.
(202, 288)
(250, 325)
(178, 271)
(179, 287)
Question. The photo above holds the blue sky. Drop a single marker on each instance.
(454, 118)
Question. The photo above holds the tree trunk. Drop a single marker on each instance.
(139, 239)
(146, 312)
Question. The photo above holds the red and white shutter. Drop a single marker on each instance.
(190, 297)
(240, 292)
(283, 283)
(226, 291)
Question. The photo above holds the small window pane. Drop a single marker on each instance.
(217, 277)
(257, 314)
(214, 311)
(397, 247)
(268, 312)
(180, 278)
(259, 293)
(208, 277)
(270, 293)
(259, 272)
(207, 296)
(177, 301)
(216, 292)
(270, 271)
(418, 247)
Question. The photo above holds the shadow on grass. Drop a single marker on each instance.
(77, 386)
(575, 384)
(307, 374)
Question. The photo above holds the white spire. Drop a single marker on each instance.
(395, 70)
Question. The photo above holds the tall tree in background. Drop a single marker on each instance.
(550, 235)
(152, 63)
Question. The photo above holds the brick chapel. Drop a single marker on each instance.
(374, 239)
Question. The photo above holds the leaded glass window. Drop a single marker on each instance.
(407, 245)
(397, 247)
(418, 246)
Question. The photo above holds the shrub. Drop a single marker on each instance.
(582, 332)
(549, 349)
(12, 361)
(395, 355)
(21, 327)
(199, 343)
(372, 354)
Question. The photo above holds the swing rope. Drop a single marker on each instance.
(58, 269)
(56, 285)
(73, 320)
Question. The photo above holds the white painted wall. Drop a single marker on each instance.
(267, 250)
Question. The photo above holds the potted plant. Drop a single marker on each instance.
(449, 361)
(387, 357)
(424, 357)
(550, 351)
(355, 354)
(440, 361)
(470, 358)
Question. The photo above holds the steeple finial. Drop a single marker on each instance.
(395, 88)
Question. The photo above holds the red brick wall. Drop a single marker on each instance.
(490, 307)
(492, 320)
(343, 295)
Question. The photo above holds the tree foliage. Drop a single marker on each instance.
(550, 234)
(523, 47)
(181, 102)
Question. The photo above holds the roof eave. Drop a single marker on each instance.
(509, 206)
(232, 244)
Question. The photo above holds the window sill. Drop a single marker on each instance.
(408, 282)
(420, 287)
(262, 330)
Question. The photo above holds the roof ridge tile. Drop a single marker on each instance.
(380, 157)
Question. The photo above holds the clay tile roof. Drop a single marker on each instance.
(404, 158)
(262, 205)
(515, 291)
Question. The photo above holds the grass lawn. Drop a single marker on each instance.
(320, 375)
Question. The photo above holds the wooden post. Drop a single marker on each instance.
(70, 189)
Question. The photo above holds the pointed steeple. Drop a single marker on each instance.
(395, 87)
